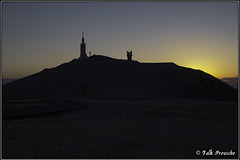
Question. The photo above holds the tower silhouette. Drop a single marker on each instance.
(83, 48)
(129, 55)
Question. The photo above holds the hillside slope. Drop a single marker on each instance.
(105, 77)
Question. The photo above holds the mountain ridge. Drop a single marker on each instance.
(105, 77)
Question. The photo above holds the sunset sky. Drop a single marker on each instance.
(199, 35)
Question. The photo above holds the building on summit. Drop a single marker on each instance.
(129, 55)
(83, 54)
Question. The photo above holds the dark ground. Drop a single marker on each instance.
(118, 129)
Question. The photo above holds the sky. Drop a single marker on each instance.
(198, 35)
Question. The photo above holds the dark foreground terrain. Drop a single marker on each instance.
(118, 129)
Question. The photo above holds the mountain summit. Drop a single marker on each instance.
(101, 77)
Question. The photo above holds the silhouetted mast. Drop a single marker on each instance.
(82, 37)
(83, 48)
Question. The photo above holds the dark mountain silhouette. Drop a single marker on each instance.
(8, 80)
(231, 81)
(105, 77)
